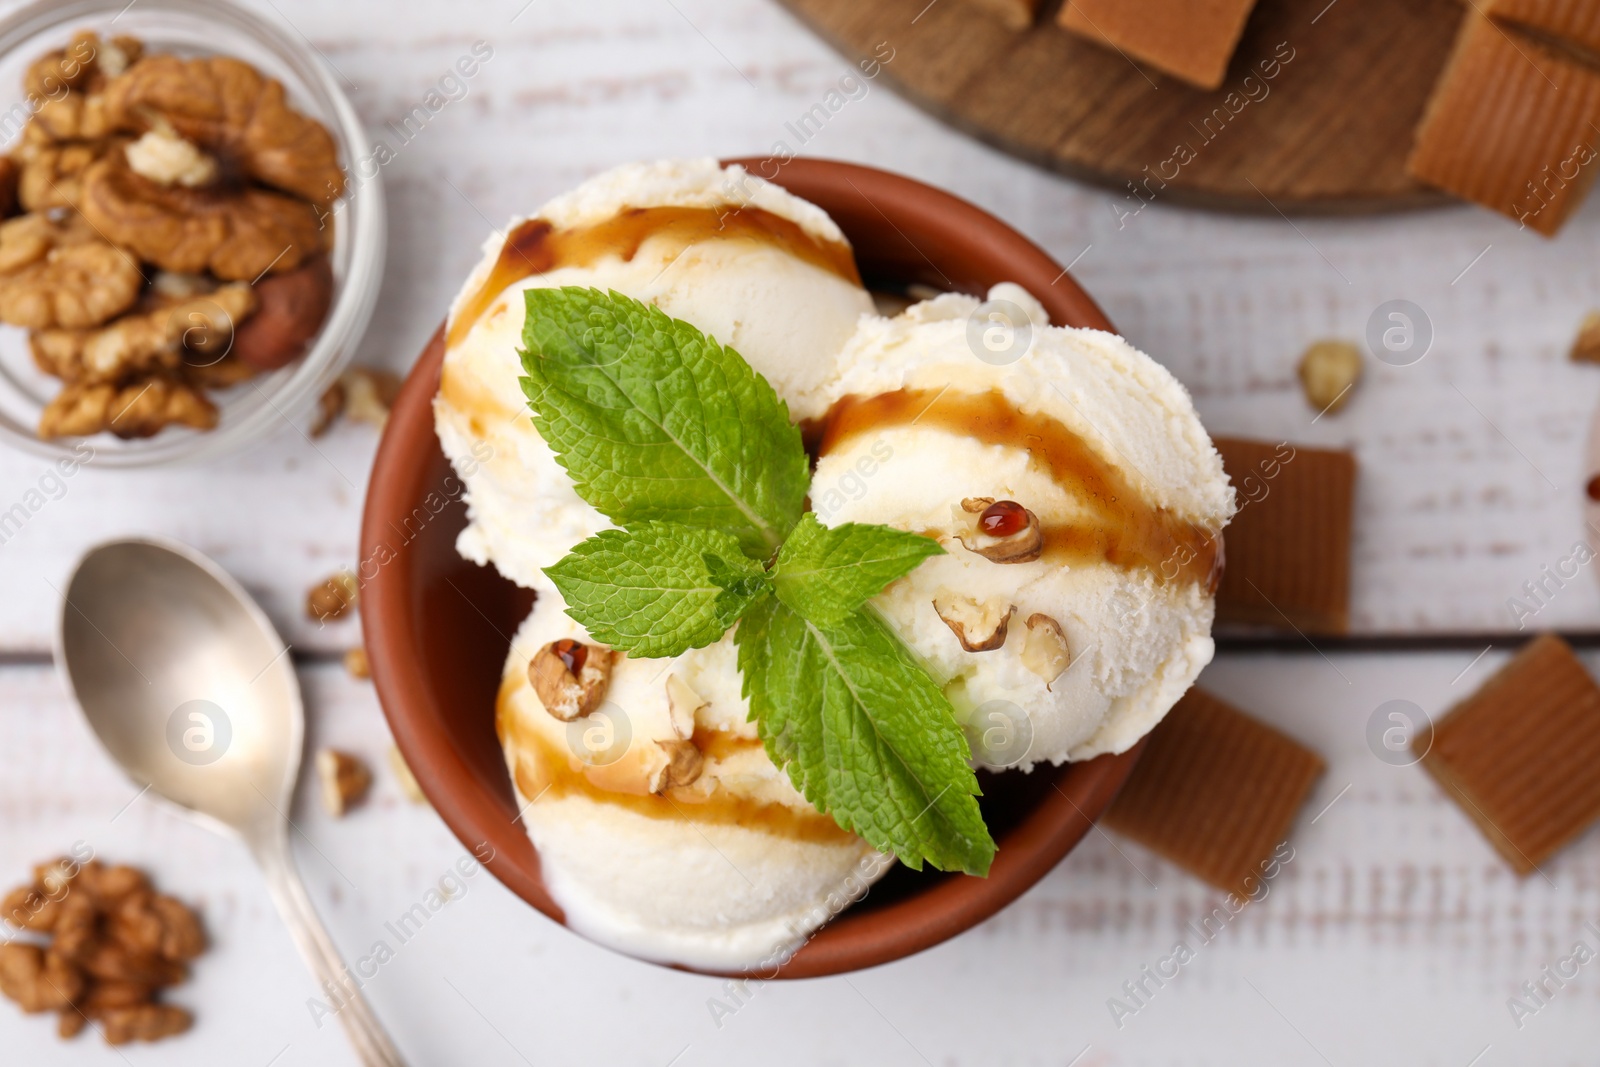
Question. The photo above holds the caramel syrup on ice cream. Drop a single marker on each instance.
(549, 770)
(1124, 531)
(537, 247)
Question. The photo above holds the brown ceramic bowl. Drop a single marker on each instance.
(438, 628)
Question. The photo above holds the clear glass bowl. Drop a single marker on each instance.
(251, 411)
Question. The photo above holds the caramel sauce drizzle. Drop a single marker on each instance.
(544, 769)
(1125, 531)
(536, 247)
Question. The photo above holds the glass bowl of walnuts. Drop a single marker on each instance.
(192, 230)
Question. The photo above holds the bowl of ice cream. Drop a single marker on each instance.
(1077, 498)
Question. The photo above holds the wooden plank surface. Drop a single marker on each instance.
(1316, 112)
(1393, 936)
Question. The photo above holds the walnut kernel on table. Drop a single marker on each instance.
(344, 779)
(112, 944)
(333, 597)
(1329, 370)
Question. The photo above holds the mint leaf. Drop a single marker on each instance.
(865, 734)
(658, 589)
(826, 573)
(654, 420)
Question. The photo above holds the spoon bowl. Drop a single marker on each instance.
(188, 686)
(185, 681)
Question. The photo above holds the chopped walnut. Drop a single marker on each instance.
(64, 68)
(356, 663)
(1045, 651)
(116, 943)
(682, 767)
(333, 597)
(570, 677)
(682, 704)
(141, 408)
(1329, 370)
(38, 979)
(75, 117)
(344, 778)
(369, 393)
(980, 627)
(149, 341)
(144, 1022)
(330, 405)
(51, 174)
(167, 159)
(61, 275)
(1000, 531)
(84, 65)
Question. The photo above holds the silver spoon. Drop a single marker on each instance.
(190, 689)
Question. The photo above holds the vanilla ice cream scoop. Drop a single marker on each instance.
(743, 260)
(1079, 501)
(662, 827)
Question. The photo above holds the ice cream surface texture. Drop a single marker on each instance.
(1089, 640)
(1069, 481)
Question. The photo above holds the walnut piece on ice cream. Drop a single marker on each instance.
(1045, 651)
(570, 677)
(980, 626)
(1001, 531)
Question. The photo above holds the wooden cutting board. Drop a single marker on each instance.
(1327, 131)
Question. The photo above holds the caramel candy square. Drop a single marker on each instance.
(1511, 126)
(1288, 549)
(1520, 754)
(1189, 39)
(1576, 22)
(1215, 792)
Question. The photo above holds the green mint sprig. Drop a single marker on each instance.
(677, 440)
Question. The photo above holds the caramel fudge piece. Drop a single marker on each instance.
(1189, 39)
(1215, 792)
(1288, 548)
(1511, 126)
(1576, 22)
(1519, 755)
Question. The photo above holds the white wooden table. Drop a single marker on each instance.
(1395, 936)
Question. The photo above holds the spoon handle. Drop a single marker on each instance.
(339, 987)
